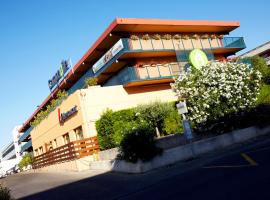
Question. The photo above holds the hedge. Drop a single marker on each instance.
(112, 126)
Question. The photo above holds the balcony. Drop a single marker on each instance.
(26, 146)
(146, 74)
(26, 135)
(169, 48)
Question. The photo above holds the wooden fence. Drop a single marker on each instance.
(71, 151)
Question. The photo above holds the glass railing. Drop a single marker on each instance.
(25, 134)
(26, 146)
(146, 72)
(233, 42)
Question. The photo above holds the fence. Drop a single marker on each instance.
(71, 151)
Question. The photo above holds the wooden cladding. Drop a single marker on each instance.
(71, 151)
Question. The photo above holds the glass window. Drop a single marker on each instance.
(66, 138)
(79, 133)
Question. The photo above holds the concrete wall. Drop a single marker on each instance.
(183, 152)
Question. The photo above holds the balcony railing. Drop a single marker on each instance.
(25, 135)
(26, 146)
(182, 44)
(71, 151)
(147, 72)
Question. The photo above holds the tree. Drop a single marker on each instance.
(154, 113)
(260, 64)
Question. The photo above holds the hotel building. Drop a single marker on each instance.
(134, 61)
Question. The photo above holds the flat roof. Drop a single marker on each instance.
(131, 25)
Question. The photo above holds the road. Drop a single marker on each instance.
(239, 172)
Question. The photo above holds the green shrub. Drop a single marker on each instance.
(172, 124)
(120, 128)
(264, 95)
(154, 113)
(260, 64)
(138, 143)
(4, 193)
(41, 115)
(112, 126)
(104, 127)
(27, 159)
(90, 81)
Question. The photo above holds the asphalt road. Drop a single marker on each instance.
(239, 172)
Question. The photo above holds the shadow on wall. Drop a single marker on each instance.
(148, 88)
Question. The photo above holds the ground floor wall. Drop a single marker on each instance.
(91, 103)
(97, 99)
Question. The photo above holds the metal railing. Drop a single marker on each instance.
(71, 151)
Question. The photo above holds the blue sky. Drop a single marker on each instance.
(36, 35)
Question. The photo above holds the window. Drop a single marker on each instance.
(79, 133)
(36, 152)
(66, 138)
(40, 150)
(54, 143)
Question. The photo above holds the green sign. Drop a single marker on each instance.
(198, 58)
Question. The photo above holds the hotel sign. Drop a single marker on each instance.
(108, 56)
(62, 117)
(198, 58)
(64, 66)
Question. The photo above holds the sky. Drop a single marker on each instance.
(36, 35)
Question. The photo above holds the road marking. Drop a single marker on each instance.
(249, 159)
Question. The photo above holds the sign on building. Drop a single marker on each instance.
(108, 56)
(64, 67)
(66, 115)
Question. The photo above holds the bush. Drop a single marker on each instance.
(41, 115)
(138, 143)
(218, 90)
(260, 64)
(4, 193)
(120, 128)
(104, 127)
(172, 124)
(264, 95)
(27, 159)
(90, 81)
(112, 126)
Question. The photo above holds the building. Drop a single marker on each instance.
(11, 155)
(134, 61)
(262, 51)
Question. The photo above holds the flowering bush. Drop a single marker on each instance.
(219, 89)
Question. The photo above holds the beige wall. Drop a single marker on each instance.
(91, 103)
(98, 99)
(50, 128)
